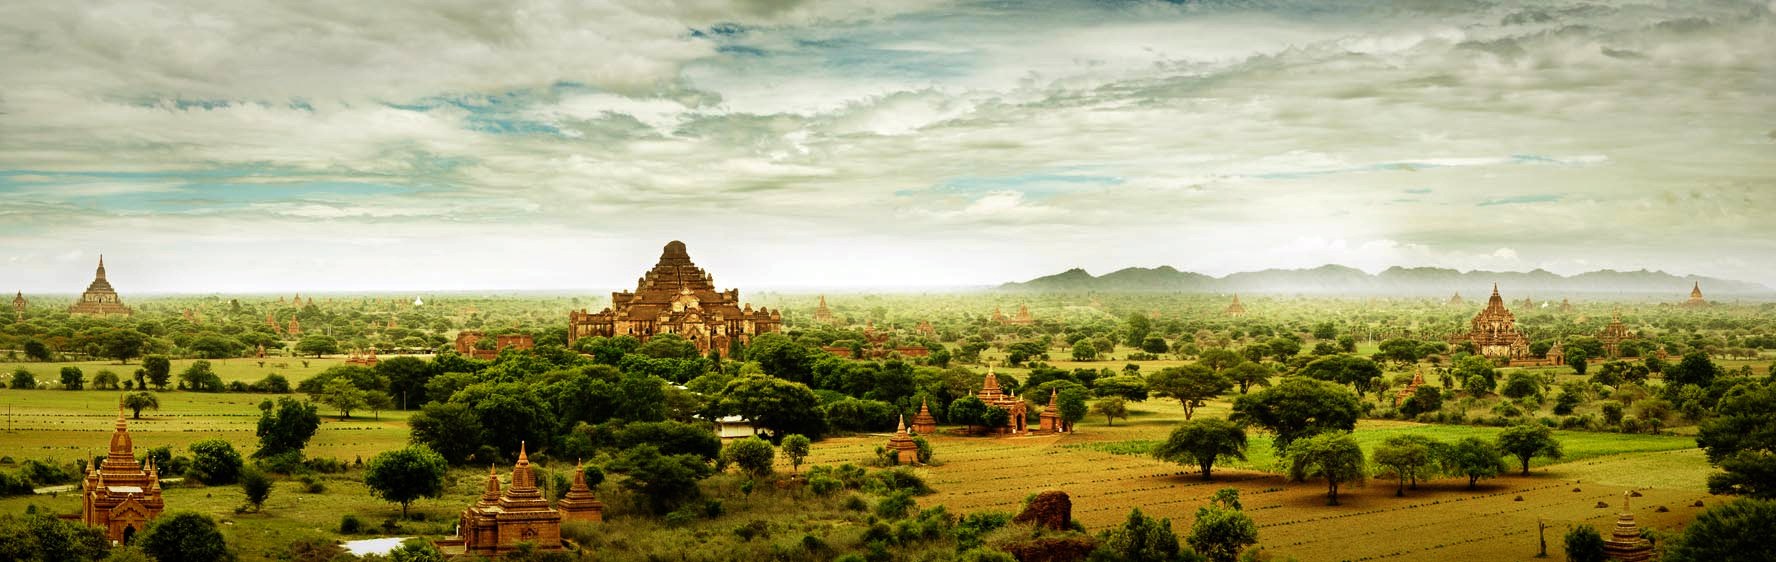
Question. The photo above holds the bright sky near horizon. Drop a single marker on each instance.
(323, 146)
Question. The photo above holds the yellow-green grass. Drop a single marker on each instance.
(67, 425)
(230, 370)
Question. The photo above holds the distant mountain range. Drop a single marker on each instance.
(1400, 281)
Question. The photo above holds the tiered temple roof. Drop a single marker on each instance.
(1494, 331)
(822, 314)
(99, 297)
(677, 297)
(1456, 299)
(1023, 316)
(18, 305)
(121, 496)
(1050, 418)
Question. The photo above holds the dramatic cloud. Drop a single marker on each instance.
(262, 145)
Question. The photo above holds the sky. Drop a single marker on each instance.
(253, 145)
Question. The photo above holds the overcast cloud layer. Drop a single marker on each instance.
(252, 145)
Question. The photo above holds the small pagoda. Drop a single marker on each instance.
(580, 504)
(1456, 299)
(500, 520)
(1236, 309)
(923, 422)
(18, 305)
(120, 496)
(99, 298)
(1050, 418)
(1695, 294)
(1625, 543)
(822, 314)
(905, 450)
(1566, 306)
(1418, 380)
(926, 330)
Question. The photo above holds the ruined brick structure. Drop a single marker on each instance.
(905, 451)
(120, 496)
(822, 314)
(1614, 334)
(1050, 418)
(100, 298)
(677, 297)
(466, 341)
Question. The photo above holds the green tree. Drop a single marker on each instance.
(122, 344)
(1248, 374)
(666, 480)
(73, 378)
(215, 347)
(1527, 440)
(1521, 385)
(1737, 531)
(968, 411)
(1139, 539)
(1072, 405)
(1111, 408)
(1202, 442)
(343, 396)
(795, 448)
(406, 474)
(105, 380)
(36, 351)
(1425, 399)
(1333, 456)
(1221, 532)
(451, 429)
(23, 380)
(184, 537)
(1741, 440)
(286, 427)
(416, 550)
(214, 462)
(780, 406)
(1127, 387)
(1154, 344)
(1298, 407)
(1583, 544)
(46, 538)
(1191, 385)
(138, 401)
(317, 345)
(1695, 368)
(1578, 360)
(1085, 351)
(200, 377)
(752, 455)
(256, 485)
(1474, 458)
(1343, 369)
(159, 370)
(1406, 457)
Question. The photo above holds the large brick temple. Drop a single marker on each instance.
(677, 297)
(99, 297)
(1494, 331)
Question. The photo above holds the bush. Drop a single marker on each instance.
(350, 525)
(1583, 544)
(822, 485)
(214, 462)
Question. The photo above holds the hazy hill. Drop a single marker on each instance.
(1422, 281)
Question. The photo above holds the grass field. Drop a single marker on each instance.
(1103, 467)
(230, 370)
